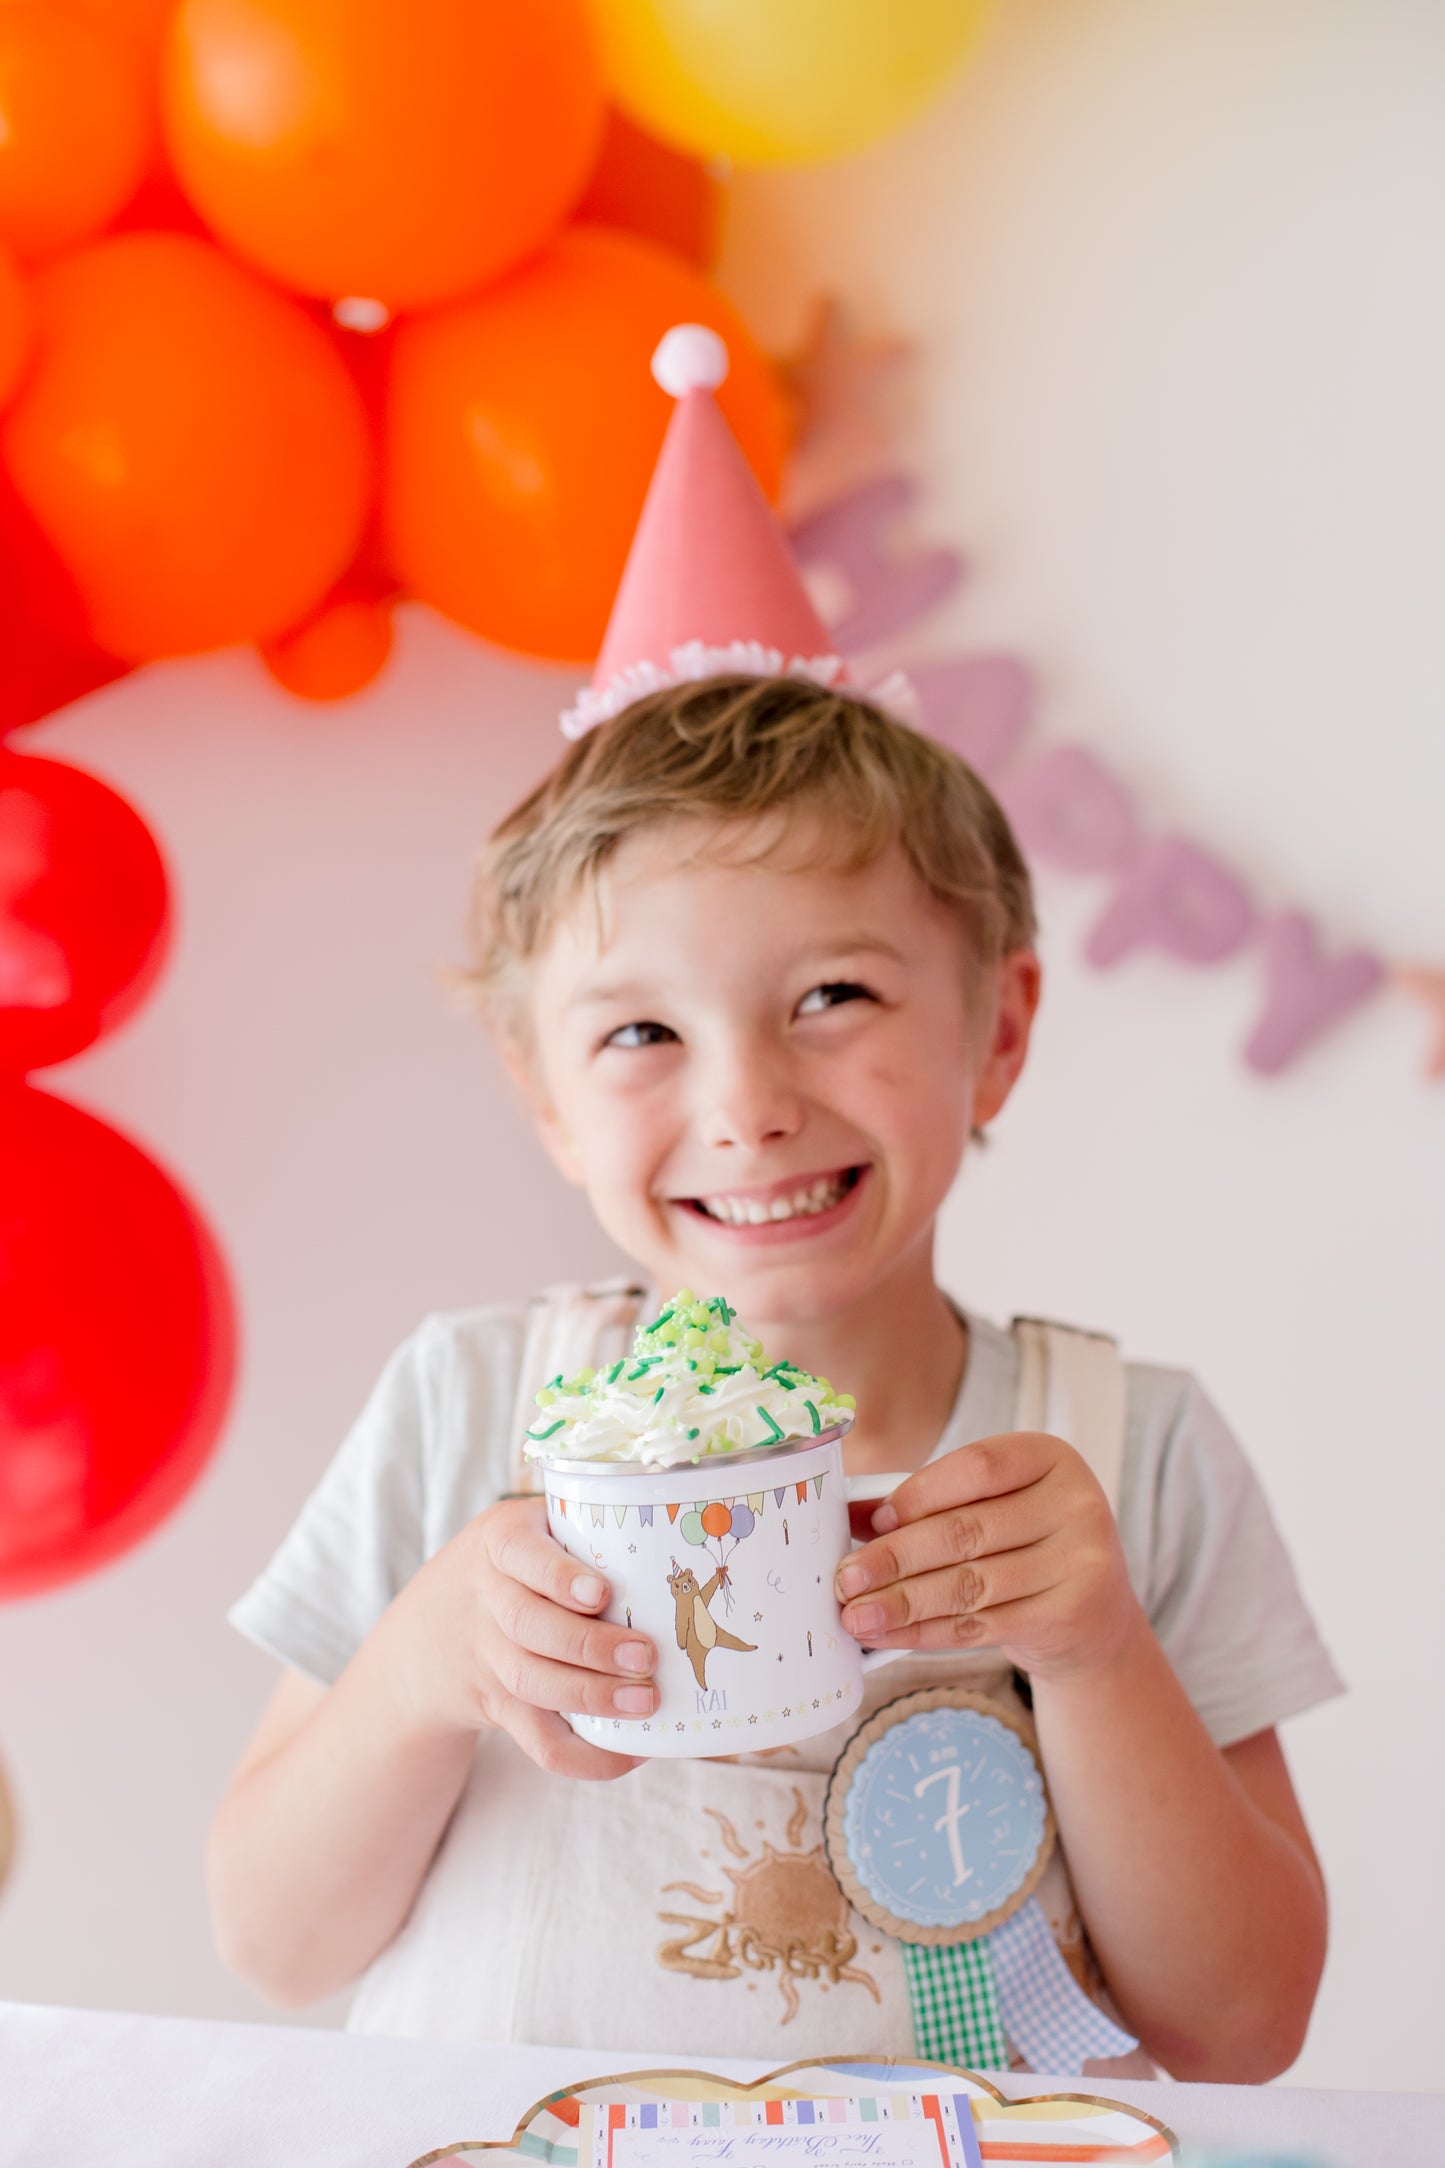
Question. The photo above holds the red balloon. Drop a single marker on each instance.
(82, 910)
(116, 1343)
(649, 188)
(47, 657)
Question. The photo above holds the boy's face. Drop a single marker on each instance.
(765, 1078)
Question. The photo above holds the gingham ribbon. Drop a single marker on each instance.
(972, 2000)
(1045, 2012)
(955, 2004)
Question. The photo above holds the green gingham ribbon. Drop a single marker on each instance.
(955, 2003)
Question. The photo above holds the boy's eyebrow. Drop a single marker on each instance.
(853, 944)
(608, 991)
(600, 996)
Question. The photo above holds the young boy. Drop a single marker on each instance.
(761, 958)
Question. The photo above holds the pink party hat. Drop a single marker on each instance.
(710, 583)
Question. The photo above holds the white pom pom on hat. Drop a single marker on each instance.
(690, 357)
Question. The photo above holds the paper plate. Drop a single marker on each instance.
(1038, 2133)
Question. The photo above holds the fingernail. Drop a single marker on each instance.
(589, 1590)
(852, 1579)
(885, 1520)
(867, 1619)
(634, 1656)
(633, 1700)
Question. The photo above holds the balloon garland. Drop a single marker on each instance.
(780, 82)
(116, 1342)
(303, 307)
(116, 1332)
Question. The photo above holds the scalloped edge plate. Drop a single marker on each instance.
(1039, 2132)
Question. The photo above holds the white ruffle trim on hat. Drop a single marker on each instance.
(743, 658)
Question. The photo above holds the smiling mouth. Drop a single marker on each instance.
(807, 1201)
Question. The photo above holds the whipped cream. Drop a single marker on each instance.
(697, 1384)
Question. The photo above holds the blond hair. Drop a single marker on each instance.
(735, 749)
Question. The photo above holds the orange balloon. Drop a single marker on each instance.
(75, 124)
(190, 443)
(335, 653)
(400, 150)
(647, 187)
(716, 1519)
(141, 20)
(523, 428)
(17, 324)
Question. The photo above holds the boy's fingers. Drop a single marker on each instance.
(1007, 1625)
(520, 1547)
(942, 1539)
(589, 1644)
(549, 1685)
(953, 1593)
(554, 1746)
(988, 1468)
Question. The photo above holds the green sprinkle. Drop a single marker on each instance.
(540, 1434)
(616, 1371)
(817, 1425)
(692, 1433)
(706, 1388)
(553, 1383)
(727, 1370)
(657, 1322)
(777, 1434)
(643, 1367)
(658, 1394)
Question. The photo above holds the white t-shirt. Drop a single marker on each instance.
(476, 1958)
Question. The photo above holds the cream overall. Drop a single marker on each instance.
(689, 1905)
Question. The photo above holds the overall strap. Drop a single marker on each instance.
(1072, 1384)
(567, 1329)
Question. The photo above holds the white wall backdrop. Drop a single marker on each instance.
(1174, 273)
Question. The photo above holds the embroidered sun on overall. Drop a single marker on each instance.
(691, 1903)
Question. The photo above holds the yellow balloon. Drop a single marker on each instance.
(779, 82)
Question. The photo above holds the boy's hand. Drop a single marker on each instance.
(1007, 1543)
(502, 1632)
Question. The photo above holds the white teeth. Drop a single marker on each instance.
(819, 1196)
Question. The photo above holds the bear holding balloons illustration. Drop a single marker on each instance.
(698, 1632)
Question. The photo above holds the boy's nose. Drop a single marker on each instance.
(752, 1106)
(747, 1127)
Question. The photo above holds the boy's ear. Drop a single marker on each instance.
(1016, 995)
(553, 1131)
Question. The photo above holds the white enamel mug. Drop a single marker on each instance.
(727, 1566)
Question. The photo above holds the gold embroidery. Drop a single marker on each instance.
(787, 1916)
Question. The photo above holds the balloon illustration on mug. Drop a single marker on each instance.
(709, 1528)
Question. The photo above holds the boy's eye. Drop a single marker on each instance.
(831, 995)
(640, 1034)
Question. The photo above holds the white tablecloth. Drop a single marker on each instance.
(86, 2089)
